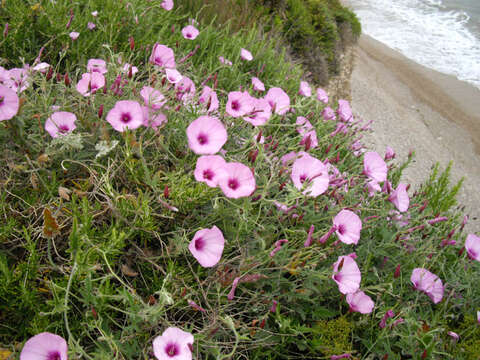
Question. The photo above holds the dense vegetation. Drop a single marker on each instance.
(94, 242)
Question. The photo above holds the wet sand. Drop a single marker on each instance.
(416, 108)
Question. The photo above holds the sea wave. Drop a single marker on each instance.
(427, 32)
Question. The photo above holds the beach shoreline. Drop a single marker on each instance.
(417, 108)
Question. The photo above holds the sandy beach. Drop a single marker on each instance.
(416, 108)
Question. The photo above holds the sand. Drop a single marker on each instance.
(416, 108)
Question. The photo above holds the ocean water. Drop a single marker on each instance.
(441, 34)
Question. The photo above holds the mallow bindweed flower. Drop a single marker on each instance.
(209, 169)
(374, 166)
(322, 96)
(472, 245)
(74, 35)
(278, 100)
(91, 25)
(305, 89)
(190, 32)
(224, 61)
(347, 275)
(167, 4)
(328, 113)
(209, 99)
(239, 103)
(207, 246)
(246, 55)
(360, 302)
(97, 65)
(90, 83)
(237, 180)
(344, 111)
(206, 135)
(152, 98)
(45, 346)
(173, 76)
(257, 84)
(311, 172)
(162, 56)
(16, 79)
(125, 114)
(185, 89)
(60, 123)
(429, 283)
(153, 119)
(173, 344)
(399, 198)
(9, 103)
(261, 112)
(348, 226)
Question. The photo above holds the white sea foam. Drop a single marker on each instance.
(425, 31)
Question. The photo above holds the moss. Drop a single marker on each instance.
(333, 337)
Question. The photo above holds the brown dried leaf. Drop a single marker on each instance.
(43, 159)
(64, 193)
(126, 270)
(50, 225)
(80, 193)
(34, 181)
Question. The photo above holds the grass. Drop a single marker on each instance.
(116, 270)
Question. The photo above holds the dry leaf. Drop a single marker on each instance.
(126, 270)
(80, 193)
(42, 159)
(50, 226)
(34, 181)
(64, 193)
(5, 354)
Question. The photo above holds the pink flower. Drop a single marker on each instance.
(453, 335)
(206, 135)
(312, 172)
(97, 65)
(373, 187)
(152, 97)
(151, 119)
(374, 167)
(94, 13)
(388, 314)
(42, 67)
(9, 103)
(162, 56)
(257, 84)
(60, 123)
(237, 181)
(305, 89)
(126, 69)
(167, 4)
(278, 100)
(344, 111)
(190, 32)
(288, 158)
(306, 129)
(90, 83)
(46, 346)
(261, 112)
(245, 54)
(472, 244)
(478, 317)
(173, 76)
(343, 356)
(429, 283)
(91, 25)
(360, 302)
(16, 79)
(347, 275)
(348, 226)
(400, 198)
(322, 95)
(209, 98)
(224, 61)
(207, 246)
(74, 35)
(389, 153)
(125, 114)
(174, 344)
(239, 103)
(185, 89)
(209, 169)
(328, 113)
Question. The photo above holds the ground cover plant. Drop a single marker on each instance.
(183, 193)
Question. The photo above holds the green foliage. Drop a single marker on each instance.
(437, 190)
